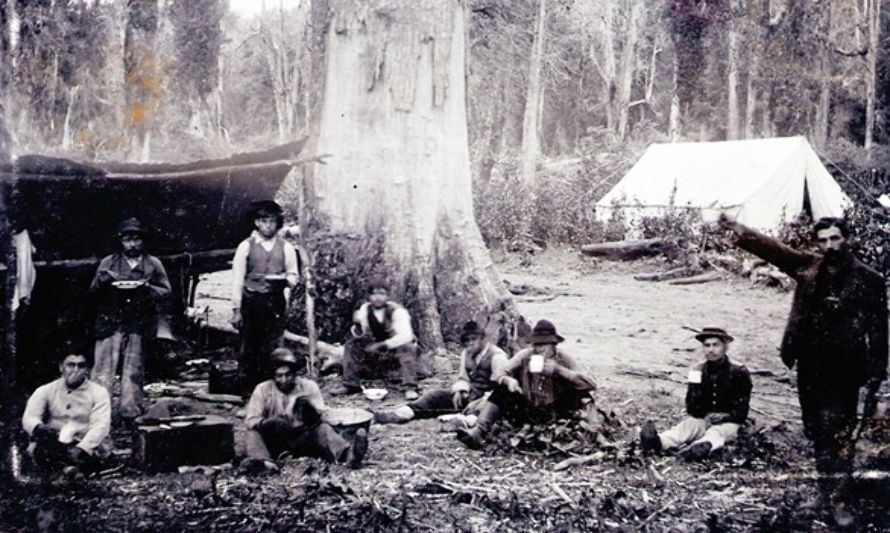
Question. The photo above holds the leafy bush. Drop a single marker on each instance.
(562, 209)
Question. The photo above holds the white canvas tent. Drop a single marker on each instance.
(762, 182)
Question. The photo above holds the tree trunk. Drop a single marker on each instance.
(394, 198)
(626, 70)
(67, 134)
(143, 83)
(820, 128)
(674, 118)
(732, 84)
(531, 126)
(873, 15)
(751, 98)
(608, 73)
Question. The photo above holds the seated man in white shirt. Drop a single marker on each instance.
(382, 337)
(68, 420)
(285, 415)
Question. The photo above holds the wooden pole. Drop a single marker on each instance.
(309, 284)
(8, 322)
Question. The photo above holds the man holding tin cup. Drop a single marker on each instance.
(717, 398)
(540, 384)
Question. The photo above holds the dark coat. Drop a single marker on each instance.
(853, 348)
(724, 388)
(131, 310)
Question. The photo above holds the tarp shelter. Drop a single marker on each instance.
(194, 213)
(763, 182)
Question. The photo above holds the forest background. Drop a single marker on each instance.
(563, 95)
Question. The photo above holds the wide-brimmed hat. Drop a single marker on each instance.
(265, 208)
(471, 329)
(544, 332)
(282, 357)
(130, 226)
(709, 333)
(376, 283)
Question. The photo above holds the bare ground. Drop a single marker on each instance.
(628, 334)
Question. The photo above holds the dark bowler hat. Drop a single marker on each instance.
(710, 333)
(285, 357)
(471, 329)
(130, 226)
(544, 332)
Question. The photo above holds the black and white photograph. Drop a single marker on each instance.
(444, 265)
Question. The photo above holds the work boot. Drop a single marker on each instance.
(399, 415)
(697, 451)
(358, 449)
(649, 439)
(343, 390)
(474, 438)
(72, 473)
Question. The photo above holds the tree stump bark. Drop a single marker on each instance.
(394, 199)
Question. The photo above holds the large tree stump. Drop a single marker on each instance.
(394, 199)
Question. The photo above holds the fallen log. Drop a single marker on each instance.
(625, 250)
(674, 273)
(700, 278)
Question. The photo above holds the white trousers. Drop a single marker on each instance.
(694, 430)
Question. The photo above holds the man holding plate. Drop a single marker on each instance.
(264, 265)
(130, 287)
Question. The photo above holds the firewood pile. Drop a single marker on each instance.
(690, 265)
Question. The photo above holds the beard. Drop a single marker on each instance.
(133, 253)
(835, 257)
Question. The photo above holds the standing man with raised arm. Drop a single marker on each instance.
(837, 336)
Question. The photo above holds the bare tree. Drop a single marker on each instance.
(873, 18)
(142, 78)
(732, 77)
(531, 124)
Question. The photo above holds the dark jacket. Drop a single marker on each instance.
(130, 310)
(724, 388)
(852, 303)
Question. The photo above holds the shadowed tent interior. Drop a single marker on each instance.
(194, 214)
(763, 182)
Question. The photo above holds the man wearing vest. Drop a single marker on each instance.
(263, 266)
(479, 361)
(717, 399)
(130, 287)
(540, 384)
(381, 335)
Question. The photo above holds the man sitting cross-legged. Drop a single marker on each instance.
(381, 337)
(285, 415)
(68, 420)
(480, 361)
(717, 400)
